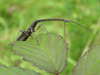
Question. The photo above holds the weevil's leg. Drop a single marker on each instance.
(22, 32)
(31, 37)
(34, 35)
(36, 38)
(65, 29)
(43, 27)
(36, 30)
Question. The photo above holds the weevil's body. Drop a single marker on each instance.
(24, 36)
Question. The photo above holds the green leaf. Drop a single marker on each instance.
(16, 71)
(49, 55)
(89, 63)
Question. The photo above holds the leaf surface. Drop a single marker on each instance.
(16, 71)
(89, 63)
(49, 55)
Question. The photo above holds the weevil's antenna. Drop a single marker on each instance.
(81, 26)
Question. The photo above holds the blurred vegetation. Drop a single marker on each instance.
(18, 15)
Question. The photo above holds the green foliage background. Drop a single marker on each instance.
(18, 15)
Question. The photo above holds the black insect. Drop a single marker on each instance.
(25, 34)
